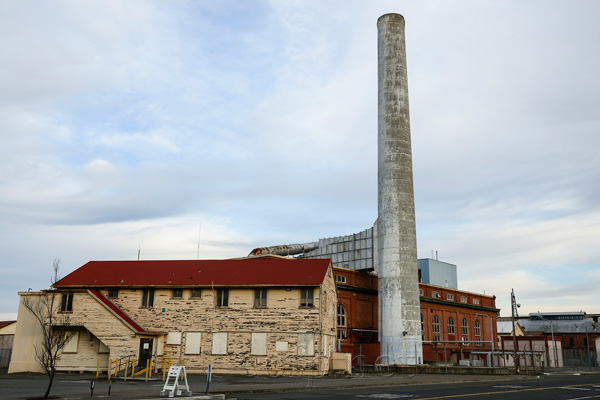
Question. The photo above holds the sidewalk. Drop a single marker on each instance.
(77, 386)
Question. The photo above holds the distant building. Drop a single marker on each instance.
(7, 335)
(576, 335)
(448, 316)
(265, 315)
(439, 273)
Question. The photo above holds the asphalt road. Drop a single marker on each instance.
(567, 387)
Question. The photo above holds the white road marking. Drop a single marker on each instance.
(386, 396)
(574, 388)
(510, 387)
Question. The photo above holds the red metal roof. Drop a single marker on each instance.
(269, 271)
(116, 310)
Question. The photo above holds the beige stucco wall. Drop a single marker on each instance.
(27, 337)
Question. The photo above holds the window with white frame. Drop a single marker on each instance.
(340, 278)
(449, 296)
(476, 301)
(341, 322)
(435, 294)
(435, 327)
(463, 299)
(465, 330)
(478, 332)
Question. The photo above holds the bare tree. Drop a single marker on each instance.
(54, 326)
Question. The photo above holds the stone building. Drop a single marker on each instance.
(260, 315)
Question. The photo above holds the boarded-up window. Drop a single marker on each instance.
(103, 349)
(71, 346)
(174, 338)
(306, 346)
(192, 342)
(258, 346)
(281, 346)
(219, 343)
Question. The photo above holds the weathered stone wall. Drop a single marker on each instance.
(283, 321)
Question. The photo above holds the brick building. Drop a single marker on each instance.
(260, 315)
(455, 325)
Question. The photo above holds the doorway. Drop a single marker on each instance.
(145, 351)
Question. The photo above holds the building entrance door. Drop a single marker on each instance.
(145, 351)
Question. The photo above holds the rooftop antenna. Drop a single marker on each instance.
(139, 251)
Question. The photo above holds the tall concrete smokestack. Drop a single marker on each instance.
(399, 308)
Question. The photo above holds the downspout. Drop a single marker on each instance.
(320, 325)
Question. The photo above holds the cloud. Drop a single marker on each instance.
(127, 124)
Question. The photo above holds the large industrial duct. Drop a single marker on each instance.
(399, 309)
(285, 249)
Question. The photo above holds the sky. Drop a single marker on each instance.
(186, 129)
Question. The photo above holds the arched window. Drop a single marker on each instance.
(341, 322)
(436, 328)
(341, 316)
(451, 329)
(465, 330)
(465, 327)
(478, 332)
(422, 327)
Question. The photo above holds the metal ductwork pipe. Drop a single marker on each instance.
(285, 249)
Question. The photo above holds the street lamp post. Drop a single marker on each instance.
(491, 334)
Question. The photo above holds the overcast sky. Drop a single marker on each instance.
(159, 125)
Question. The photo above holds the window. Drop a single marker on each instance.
(196, 293)
(421, 292)
(422, 327)
(193, 340)
(449, 296)
(571, 342)
(177, 293)
(71, 345)
(219, 342)
(465, 327)
(475, 301)
(306, 344)
(222, 297)
(258, 344)
(307, 297)
(436, 328)
(341, 322)
(148, 298)
(340, 278)
(66, 304)
(435, 294)
(113, 293)
(463, 299)
(260, 298)
(451, 329)
(478, 332)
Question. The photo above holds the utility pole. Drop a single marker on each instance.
(514, 313)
